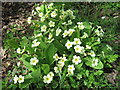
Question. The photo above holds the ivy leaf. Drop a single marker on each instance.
(45, 68)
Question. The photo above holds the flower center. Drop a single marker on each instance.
(34, 61)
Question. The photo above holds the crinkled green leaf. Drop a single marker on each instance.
(60, 48)
(49, 53)
(36, 73)
(78, 67)
(25, 84)
(27, 64)
(45, 68)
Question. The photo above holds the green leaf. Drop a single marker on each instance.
(99, 72)
(112, 58)
(79, 76)
(78, 67)
(43, 44)
(49, 53)
(25, 84)
(12, 43)
(59, 46)
(24, 41)
(24, 56)
(54, 84)
(45, 68)
(96, 43)
(36, 73)
(87, 73)
(99, 66)
(43, 8)
(27, 64)
(28, 76)
(87, 25)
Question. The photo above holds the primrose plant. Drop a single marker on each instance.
(63, 51)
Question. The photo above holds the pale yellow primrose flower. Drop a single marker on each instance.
(65, 33)
(70, 72)
(37, 9)
(77, 41)
(18, 50)
(29, 20)
(43, 28)
(35, 44)
(47, 79)
(80, 23)
(58, 31)
(88, 47)
(21, 79)
(51, 74)
(50, 5)
(76, 59)
(70, 32)
(81, 27)
(34, 41)
(53, 14)
(56, 57)
(50, 36)
(42, 19)
(34, 61)
(56, 69)
(79, 49)
(40, 14)
(69, 44)
(92, 53)
(33, 13)
(15, 79)
(69, 22)
(97, 32)
(18, 64)
(51, 24)
(71, 68)
(63, 59)
(95, 62)
(70, 12)
(60, 64)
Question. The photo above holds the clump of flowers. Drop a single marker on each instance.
(19, 79)
(64, 50)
